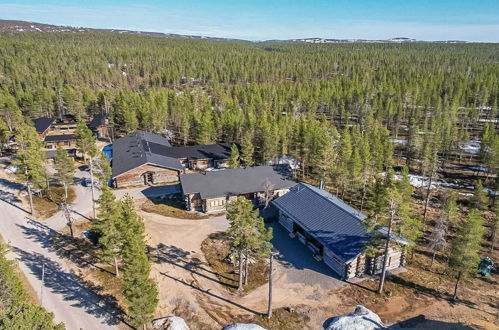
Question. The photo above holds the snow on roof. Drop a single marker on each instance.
(361, 318)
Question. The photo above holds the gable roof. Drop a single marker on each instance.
(139, 148)
(42, 124)
(237, 181)
(327, 218)
(203, 151)
(98, 120)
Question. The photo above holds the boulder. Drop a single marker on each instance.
(170, 323)
(361, 319)
(243, 326)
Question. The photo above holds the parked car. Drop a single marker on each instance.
(11, 169)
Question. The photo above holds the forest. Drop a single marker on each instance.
(337, 108)
(357, 117)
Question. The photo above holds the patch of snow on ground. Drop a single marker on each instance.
(401, 141)
(495, 121)
(472, 147)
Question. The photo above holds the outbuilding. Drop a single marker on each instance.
(332, 230)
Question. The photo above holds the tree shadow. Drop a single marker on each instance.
(80, 293)
(8, 196)
(421, 322)
(180, 258)
(208, 292)
(436, 294)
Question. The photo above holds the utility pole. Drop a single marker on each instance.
(43, 283)
(269, 312)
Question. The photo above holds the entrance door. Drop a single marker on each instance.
(149, 178)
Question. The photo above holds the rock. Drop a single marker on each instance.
(170, 323)
(243, 326)
(361, 319)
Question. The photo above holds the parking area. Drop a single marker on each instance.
(149, 192)
(297, 262)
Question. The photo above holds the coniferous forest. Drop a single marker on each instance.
(337, 108)
(367, 119)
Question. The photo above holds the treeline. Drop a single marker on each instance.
(16, 309)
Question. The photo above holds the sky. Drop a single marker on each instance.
(470, 20)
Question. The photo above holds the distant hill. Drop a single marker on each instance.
(23, 26)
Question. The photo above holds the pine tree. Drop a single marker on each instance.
(493, 226)
(5, 135)
(31, 160)
(480, 200)
(234, 157)
(464, 257)
(109, 228)
(247, 149)
(85, 139)
(64, 170)
(16, 311)
(140, 290)
(249, 235)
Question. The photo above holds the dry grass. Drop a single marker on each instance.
(216, 248)
(284, 319)
(170, 207)
(48, 204)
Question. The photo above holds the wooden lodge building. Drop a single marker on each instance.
(332, 230)
(144, 158)
(140, 158)
(212, 191)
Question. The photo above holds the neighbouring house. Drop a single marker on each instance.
(65, 141)
(100, 126)
(141, 158)
(42, 125)
(211, 191)
(201, 157)
(332, 230)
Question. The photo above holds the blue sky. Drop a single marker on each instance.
(473, 20)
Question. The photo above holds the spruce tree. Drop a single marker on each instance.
(465, 246)
(247, 149)
(85, 139)
(234, 157)
(480, 199)
(64, 170)
(109, 228)
(140, 290)
(30, 159)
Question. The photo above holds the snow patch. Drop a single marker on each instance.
(472, 147)
(401, 141)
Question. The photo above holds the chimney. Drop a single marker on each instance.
(321, 184)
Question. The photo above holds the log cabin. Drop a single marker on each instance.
(332, 230)
(212, 191)
(140, 158)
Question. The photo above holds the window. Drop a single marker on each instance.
(218, 202)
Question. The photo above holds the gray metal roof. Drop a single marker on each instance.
(327, 218)
(202, 151)
(42, 124)
(238, 181)
(134, 150)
